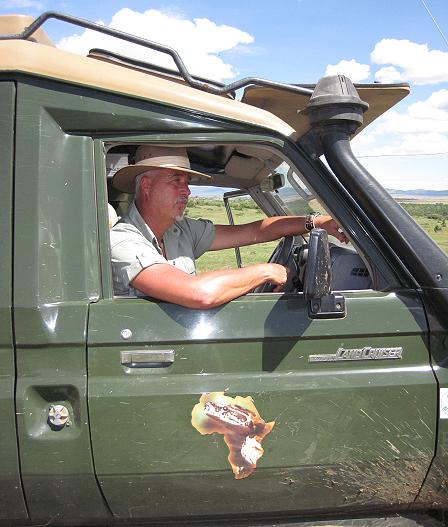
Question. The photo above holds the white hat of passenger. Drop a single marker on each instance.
(153, 156)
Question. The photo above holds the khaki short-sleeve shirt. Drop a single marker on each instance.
(134, 247)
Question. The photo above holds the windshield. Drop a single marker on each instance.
(296, 198)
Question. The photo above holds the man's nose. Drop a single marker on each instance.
(185, 186)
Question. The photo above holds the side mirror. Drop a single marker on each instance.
(322, 303)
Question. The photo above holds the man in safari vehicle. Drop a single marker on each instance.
(154, 247)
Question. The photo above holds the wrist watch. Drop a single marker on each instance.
(309, 221)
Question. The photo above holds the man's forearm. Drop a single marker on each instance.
(269, 229)
(265, 230)
(276, 227)
(219, 287)
(206, 290)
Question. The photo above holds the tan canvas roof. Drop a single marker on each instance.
(288, 106)
(15, 24)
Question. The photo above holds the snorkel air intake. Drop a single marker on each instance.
(335, 112)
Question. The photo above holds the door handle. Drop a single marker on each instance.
(147, 358)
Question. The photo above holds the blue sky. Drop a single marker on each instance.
(300, 41)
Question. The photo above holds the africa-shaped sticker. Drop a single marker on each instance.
(237, 419)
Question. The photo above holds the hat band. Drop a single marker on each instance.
(165, 161)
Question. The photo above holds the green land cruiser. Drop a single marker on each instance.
(326, 401)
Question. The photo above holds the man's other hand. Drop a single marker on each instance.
(279, 276)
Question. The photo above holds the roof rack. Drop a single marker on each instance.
(189, 79)
(148, 67)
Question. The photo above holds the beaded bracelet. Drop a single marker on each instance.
(309, 221)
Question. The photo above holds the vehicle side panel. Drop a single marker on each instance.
(12, 504)
(56, 276)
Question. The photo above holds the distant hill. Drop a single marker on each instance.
(418, 193)
(214, 192)
(207, 192)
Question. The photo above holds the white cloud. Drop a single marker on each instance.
(428, 172)
(397, 123)
(435, 107)
(355, 71)
(388, 75)
(405, 160)
(428, 116)
(423, 143)
(364, 139)
(422, 129)
(20, 4)
(408, 149)
(199, 41)
(408, 61)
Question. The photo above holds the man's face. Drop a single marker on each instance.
(168, 192)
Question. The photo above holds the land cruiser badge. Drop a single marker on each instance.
(366, 353)
(237, 419)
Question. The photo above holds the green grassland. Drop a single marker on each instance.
(432, 217)
(243, 211)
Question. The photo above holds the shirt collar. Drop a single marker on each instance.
(137, 220)
(171, 236)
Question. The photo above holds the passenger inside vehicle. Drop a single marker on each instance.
(154, 247)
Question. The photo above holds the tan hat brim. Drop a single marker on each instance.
(123, 179)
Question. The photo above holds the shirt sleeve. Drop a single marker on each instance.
(202, 233)
(130, 254)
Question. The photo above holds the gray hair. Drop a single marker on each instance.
(137, 184)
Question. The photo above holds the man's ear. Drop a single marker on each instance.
(145, 184)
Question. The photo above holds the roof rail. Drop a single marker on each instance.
(189, 79)
(148, 67)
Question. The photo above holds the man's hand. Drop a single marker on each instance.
(279, 276)
(329, 224)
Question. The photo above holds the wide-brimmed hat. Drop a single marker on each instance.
(153, 156)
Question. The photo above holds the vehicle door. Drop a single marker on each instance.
(346, 407)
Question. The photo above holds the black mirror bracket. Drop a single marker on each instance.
(328, 306)
(316, 262)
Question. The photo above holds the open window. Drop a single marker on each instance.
(248, 183)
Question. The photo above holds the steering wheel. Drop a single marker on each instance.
(281, 255)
